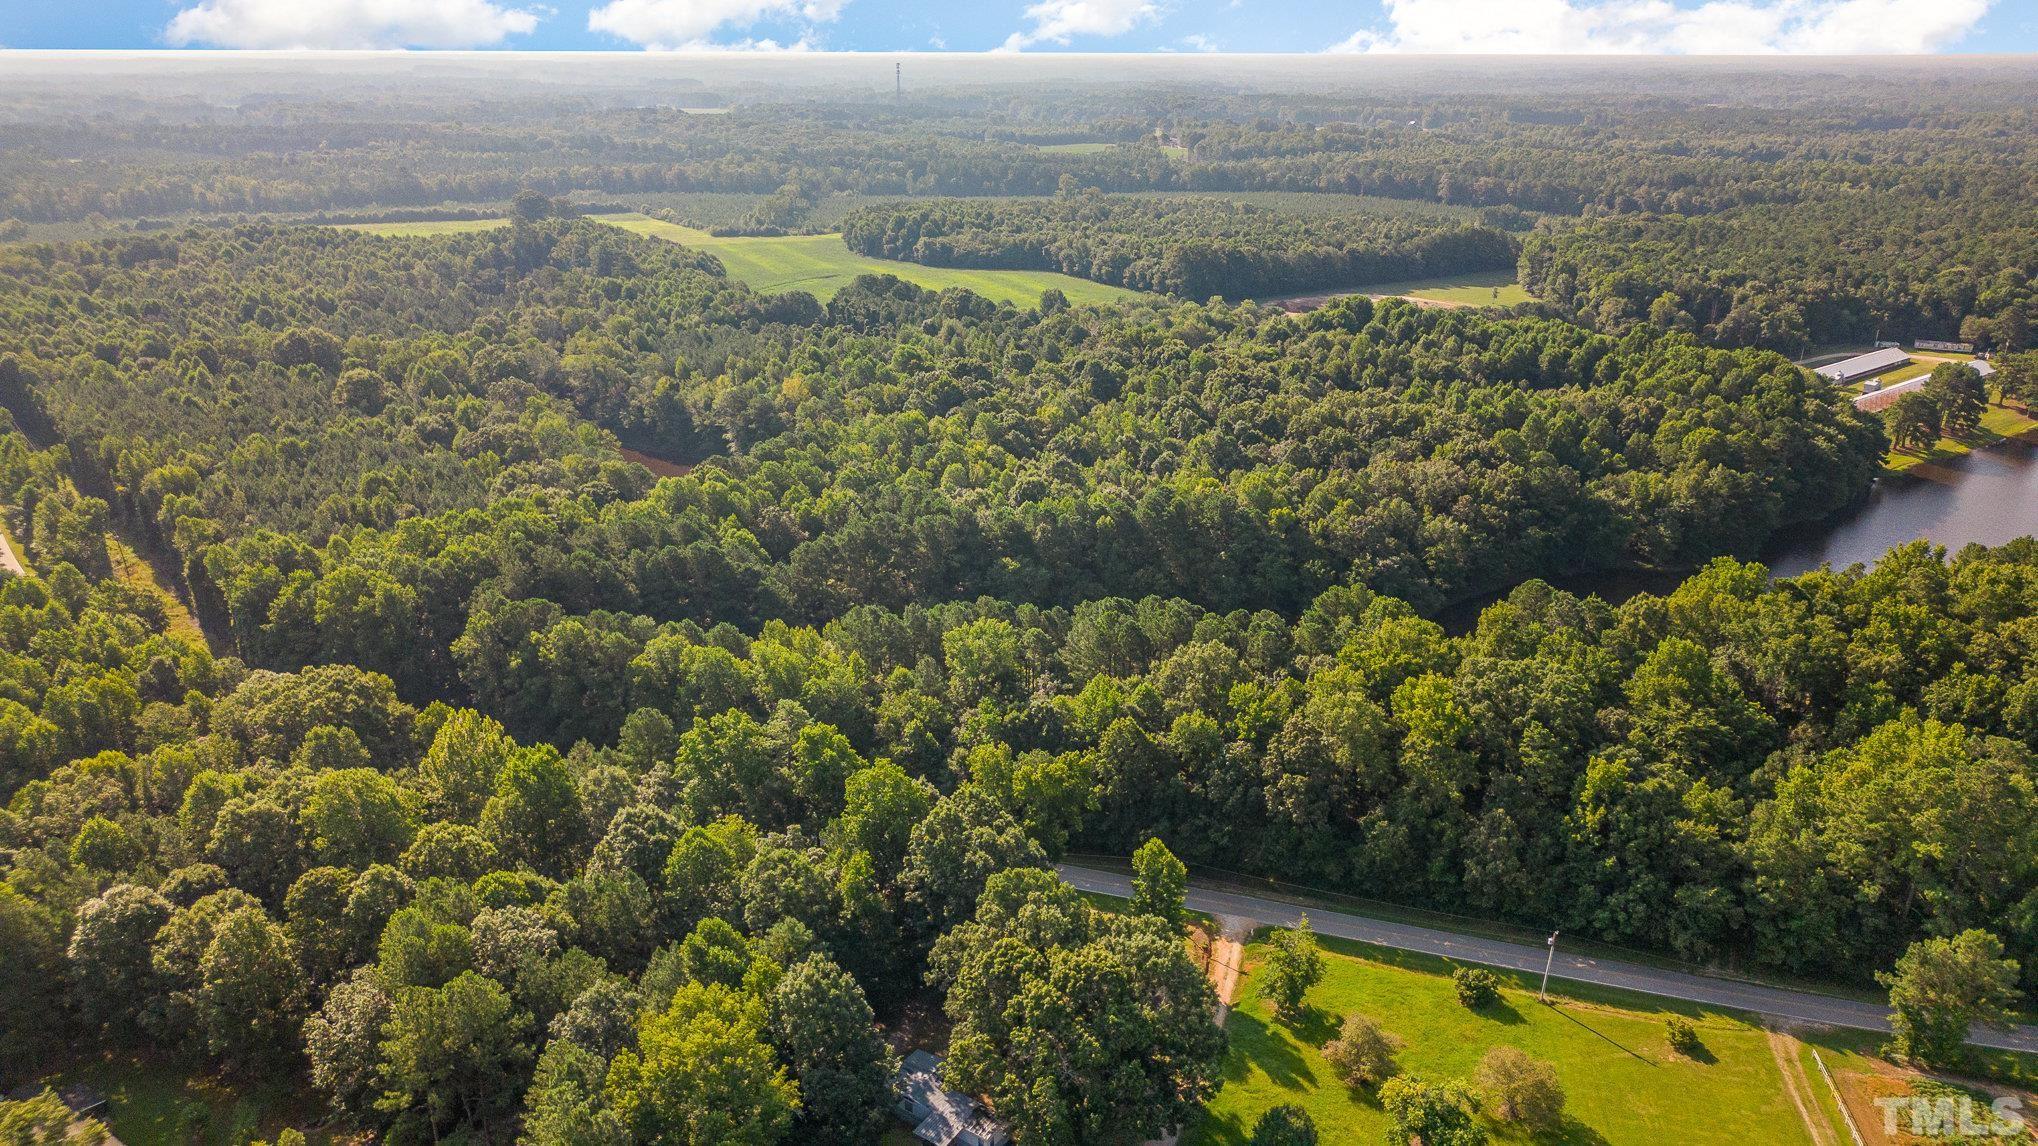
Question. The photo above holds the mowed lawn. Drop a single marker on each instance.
(822, 265)
(1624, 1085)
(1998, 423)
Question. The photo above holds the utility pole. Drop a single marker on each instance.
(1544, 994)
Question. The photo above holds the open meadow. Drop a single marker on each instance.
(821, 265)
(1622, 1081)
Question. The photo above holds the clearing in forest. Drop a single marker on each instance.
(822, 265)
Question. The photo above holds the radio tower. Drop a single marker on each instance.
(898, 83)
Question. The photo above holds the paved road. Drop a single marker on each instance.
(1801, 1006)
(9, 563)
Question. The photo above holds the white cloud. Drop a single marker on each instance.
(1059, 21)
(683, 25)
(1198, 42)
(1660, 26)
(345, 24)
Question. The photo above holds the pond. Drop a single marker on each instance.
(1987, 497)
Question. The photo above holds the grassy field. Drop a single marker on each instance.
(1076, 148)
(1624, 1083)
(821, 265)
(1493, 288)
(2000, 422)
(159, 1101)
(1490, 288)
(426, 226)
(135, 570)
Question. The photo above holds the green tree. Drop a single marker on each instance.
(356, 817)
(1078, 1025)
(1961, 395)
(457, 1051)
(703, 1075)
(1362, 1053)
(1914, 420)
(535, 817)
(1942, 987)
(343, 1041)
(112, 975)
(102, 845)
(881, 805)
(1476, 987)
(1292, 965)
(825, 1032)
(250, 990)
(1429, 1114)
(1284, 1125)
(1159, 883)
(964, 840)
(44, 1120)
(1520, 1089)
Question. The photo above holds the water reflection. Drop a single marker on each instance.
(1987, 497)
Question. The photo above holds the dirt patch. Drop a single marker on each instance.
(657, 465)
(1860, 1090)
(1298, 304)
(1801, 1088)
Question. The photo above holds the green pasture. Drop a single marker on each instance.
(822, 265)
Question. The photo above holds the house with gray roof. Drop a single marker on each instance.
(940, 1116)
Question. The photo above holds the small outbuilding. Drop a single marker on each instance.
(940, 1116)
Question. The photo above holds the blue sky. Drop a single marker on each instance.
(1676, 26)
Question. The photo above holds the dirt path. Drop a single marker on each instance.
(1227, 960)
(1799, 1086)
(10, 562)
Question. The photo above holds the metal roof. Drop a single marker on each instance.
(1875, 361)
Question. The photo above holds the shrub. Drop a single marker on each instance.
(1284, 1126)
(1520, 1089)
(1684, 1038)
(1477, 987)
(1362, 1052)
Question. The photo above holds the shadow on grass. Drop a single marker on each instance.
(1255, 1044)
(1602, 1035)
(1500, 1011)
(1572, 1133)
(1701, 1054)
(1313, 1025)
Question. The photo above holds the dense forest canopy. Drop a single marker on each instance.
(495, 785)
(1196, 248)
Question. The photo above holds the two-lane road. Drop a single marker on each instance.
(1780, 1002)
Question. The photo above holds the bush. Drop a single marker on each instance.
(1521, 1089)
(1284, 1126)
(1362, 1052)
(1684, 1038)
(1477, 987)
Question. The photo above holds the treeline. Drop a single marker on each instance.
(1191, 247)
(1838, 267)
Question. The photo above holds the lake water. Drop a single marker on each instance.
(1987, 497)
